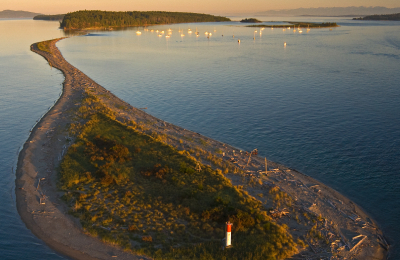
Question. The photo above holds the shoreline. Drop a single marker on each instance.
(37, 169)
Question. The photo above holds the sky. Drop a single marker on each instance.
(197, 6)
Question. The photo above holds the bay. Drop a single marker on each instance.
(327, 104)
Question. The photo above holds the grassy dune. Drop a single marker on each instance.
(45, 46)
(137, 191)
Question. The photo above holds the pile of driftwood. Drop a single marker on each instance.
(343, 243)
(276, 213)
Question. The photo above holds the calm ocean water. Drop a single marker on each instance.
(327, 104)
(28, 87)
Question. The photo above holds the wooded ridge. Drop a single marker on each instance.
(104, 19)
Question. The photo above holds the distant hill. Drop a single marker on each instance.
(17, 14)
(381, 17)
(332, 11)
(55, 17)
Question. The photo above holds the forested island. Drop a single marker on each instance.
(381, 17)
(105, 19)
(250, 20)
(55, 17)
(297, 24)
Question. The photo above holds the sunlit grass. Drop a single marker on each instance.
(44, 46)
(136, 191)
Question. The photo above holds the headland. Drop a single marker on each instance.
(314, 220)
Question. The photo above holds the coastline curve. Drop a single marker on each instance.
(40, 207)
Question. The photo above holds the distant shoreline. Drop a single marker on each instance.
(297, 25)
(381, 17)
(36, 180)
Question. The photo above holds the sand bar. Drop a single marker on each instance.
(351, 233)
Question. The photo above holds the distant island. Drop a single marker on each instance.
(297, 24)
(381, 17)
(55, 17)
(107, 20)
(250, 20)
(17, 14)
(353, 11)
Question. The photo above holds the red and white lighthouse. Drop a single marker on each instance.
(228, 238)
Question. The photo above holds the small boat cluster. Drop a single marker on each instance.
(167, 34)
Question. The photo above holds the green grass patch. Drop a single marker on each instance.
(44, 46)
(133, 190)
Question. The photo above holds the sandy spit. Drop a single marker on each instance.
(39, 204)
(351, 233)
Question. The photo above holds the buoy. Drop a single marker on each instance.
(284, 44)
(239, 41)
(138, 32)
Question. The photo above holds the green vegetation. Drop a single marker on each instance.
(381, 17)
(133, 190)
(298, 24)
(104, 19)
(55, 17)
(44, 46)
(250, 20)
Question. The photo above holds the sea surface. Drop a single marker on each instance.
(28, 88)
(326, 104)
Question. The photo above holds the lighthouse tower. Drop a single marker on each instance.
(228, 238)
